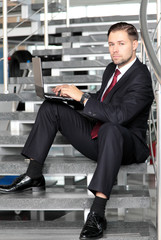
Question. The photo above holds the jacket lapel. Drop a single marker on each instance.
(122, 80)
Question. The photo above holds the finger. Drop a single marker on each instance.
(57, 90)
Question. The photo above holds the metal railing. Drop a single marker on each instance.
(5, 47)
(157, 70)
(5, 33)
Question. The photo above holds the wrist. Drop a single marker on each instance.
(84, 98)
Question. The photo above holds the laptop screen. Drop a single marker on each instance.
(38, 78)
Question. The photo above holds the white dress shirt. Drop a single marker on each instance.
(122, 72)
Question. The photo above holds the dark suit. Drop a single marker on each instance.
(122, 136)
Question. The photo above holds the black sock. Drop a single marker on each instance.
(98, 206)
(34, 169)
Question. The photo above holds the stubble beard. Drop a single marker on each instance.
(123, 62)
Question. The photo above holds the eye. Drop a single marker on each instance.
(111, 44)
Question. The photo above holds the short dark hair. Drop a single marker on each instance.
(129, 28)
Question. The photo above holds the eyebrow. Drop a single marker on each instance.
(118, 41)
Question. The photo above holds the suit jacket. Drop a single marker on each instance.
(127, 104)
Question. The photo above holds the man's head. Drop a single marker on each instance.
(123, 42)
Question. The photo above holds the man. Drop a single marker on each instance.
(111, 130)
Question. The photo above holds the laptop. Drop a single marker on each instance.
(39, 83)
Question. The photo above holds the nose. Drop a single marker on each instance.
(115, 48)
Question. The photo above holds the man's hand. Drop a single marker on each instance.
(68, 91)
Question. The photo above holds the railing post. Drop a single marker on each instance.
(159, 129)
(46, 36)
(5, 47)
(159, 29)
(155, 62)
(67, 13)
(158, 163)
(143, 54)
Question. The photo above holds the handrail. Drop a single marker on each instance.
(19, 24)
(25, 20)
(19, 4)
(5, 58)
(146, 40)
(157, 70)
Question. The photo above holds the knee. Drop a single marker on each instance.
(45, 105)
(109, 130)
(47, 108)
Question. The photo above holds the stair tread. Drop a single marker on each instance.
(64, 230)
(93, 38)
(77, 79)
(18, 116)
(96, 28)
(13, 164)
(7, 138)
(60, 198)
(69, 64)
(101, 19)
(86, 21)
(20, 97)
(72, 51)
(79, 52)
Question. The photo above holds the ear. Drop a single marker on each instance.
(135, 45)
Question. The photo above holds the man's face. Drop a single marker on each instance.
(121, 47)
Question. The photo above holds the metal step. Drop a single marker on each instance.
(21, 97)
(70, 230)
(83, 51)
(72, 199)
(96, 51)
(52, 7)
(72, 79)
(7, 139)
(93, 39)
(67, 165)
(75, 65)
(18, 116)
(101, 20)
(96, 28)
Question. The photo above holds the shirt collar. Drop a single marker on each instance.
(126, 67)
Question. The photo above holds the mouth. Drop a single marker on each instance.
(116, 56)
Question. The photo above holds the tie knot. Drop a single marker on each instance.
(117, 72)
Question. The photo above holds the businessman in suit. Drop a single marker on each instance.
(111, 130)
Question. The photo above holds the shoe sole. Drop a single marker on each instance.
(33, 189)
(38, 189)
(85, 238)
(98, 237)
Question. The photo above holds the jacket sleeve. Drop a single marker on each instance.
(125, 103)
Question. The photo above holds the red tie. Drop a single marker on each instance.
(94, 132)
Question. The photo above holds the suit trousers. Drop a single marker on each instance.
(112, 148)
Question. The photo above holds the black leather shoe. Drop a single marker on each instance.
(22, 183)
(94, 226)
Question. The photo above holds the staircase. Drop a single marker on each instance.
(83, 55)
